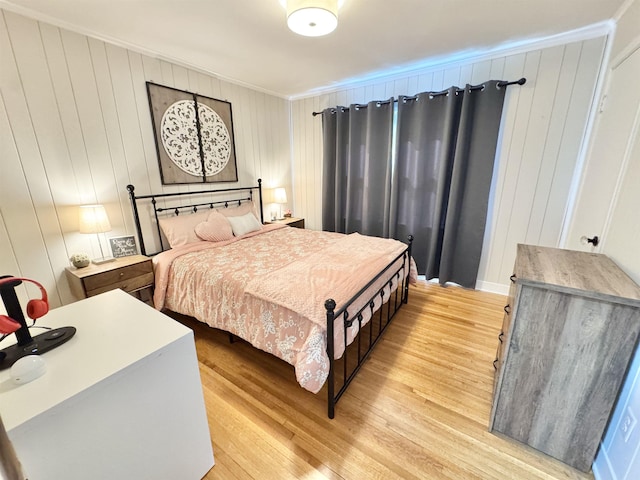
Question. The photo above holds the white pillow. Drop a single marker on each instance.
(244, 224)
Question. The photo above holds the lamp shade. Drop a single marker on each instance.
(280, 195)
(93, 219)
(312, 18)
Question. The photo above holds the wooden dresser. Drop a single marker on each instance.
(570, 328)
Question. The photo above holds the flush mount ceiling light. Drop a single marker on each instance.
(312, 18)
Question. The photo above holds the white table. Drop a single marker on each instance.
(121, 400)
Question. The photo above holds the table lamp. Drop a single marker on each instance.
(280, 196)
(93, 219)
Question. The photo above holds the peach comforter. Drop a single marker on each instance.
(269, 288)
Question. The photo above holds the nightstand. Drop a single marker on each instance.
(131, 274)
(291, 221)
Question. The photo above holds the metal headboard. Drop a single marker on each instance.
(193, 207)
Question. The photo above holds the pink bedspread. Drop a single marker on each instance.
(269, 288)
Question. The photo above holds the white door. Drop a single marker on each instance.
(609, 195)
(621, 237)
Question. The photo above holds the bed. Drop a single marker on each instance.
(282, 289)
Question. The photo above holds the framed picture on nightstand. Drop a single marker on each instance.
(123, 246)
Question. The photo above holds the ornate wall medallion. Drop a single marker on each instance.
(192, 148)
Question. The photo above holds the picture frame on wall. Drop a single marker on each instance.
(194, 136)
(123, 246)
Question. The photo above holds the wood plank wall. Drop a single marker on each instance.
(541, 137)
(75, 128)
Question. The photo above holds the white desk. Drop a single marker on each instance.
(121, 400)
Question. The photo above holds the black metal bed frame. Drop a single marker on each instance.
(396, 299)
(176, 209)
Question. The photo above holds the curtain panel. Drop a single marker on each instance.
(356, 180)
(445, 157)
(437, 188)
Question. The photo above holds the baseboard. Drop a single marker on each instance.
(491, 287)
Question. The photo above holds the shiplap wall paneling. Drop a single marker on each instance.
(522, 161)
(314, 175)
(557, 92)
(16, 259)
(145, 69)
(77, 130)
(541, 136)
(96, 168)
(60, 60)
(500, 188)
(299, 191)
(39, 140)
(132, 167)
(591, 57)
(545, 151)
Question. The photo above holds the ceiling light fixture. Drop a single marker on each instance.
(312, 18)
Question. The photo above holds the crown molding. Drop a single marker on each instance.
(457, 59)
(40, 17)
(451, 60)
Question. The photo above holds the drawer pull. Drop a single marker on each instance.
(507, 309)
(122, 274)
(500, 336)
(513, 278)
(495, 367)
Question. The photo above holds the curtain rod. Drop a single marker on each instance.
(522, 81)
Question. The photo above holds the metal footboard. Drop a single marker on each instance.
(393, 304)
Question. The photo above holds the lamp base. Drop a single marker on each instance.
(101, 260)
(40, 344)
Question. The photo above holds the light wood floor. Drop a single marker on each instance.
(419, 409)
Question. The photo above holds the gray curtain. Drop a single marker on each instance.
(445, 155)
(356, 180)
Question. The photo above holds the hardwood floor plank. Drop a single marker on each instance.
(419, 408)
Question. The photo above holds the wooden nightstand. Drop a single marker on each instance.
(131, 274)
(291, 221)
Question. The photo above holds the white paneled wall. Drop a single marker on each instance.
(75, 128)
(541, 137)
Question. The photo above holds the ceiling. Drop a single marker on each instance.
(248, 42)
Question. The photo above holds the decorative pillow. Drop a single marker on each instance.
(180, 229)
(244, 224)
(237, 211)
(216, 229)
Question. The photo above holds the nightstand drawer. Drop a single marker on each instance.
(128, 285)
(115, 278)
(298, 223)
(291, 221)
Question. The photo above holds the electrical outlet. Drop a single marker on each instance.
(628, 424)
